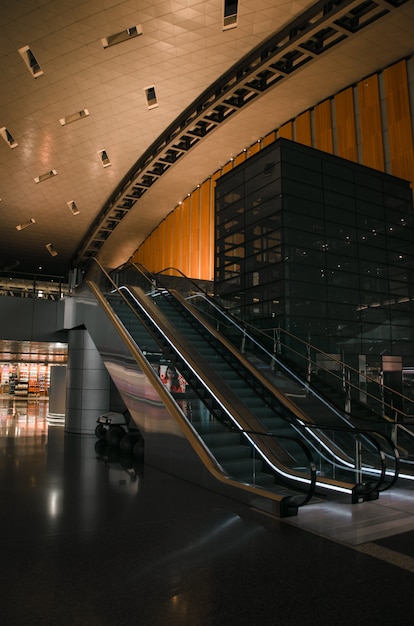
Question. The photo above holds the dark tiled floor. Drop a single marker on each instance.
(88, 543)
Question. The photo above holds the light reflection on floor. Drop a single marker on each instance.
(23, 418)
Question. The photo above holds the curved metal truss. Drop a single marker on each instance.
(316, 31)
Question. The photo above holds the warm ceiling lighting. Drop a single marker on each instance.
(31, 62)
(124, 35)
(26, 224)
(72, 205)
(104, 158)
(74, 117)
(8, 137)
(45, 176)
(51, 249)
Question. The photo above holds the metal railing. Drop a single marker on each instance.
(24, 285)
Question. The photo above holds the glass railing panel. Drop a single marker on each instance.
(342, 466)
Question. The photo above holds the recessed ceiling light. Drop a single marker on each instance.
(151, 97)
(72, 205)
(104, 158)
(26, 224)
(79, 115)
(51, 249)
(46, 176)
(31, 62)
(8, 137)
(230, 14)
(123, 35)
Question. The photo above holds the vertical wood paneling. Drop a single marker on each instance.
(207, 232)
(176, 242)
(185, 237)
(240, 158)
(169, 239)
(400, 131)
(194, 243)
(286, 131)
(346, 139)
(303, 129)
(144, 259)
(227, 167)
(268, 139)
(254, 149)
(160, 247)
(323, 127)
(370, 123)
(151, 253)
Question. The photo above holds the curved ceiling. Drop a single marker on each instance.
(74, 114)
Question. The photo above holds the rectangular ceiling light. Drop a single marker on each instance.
(31, 62)
(104, 158)
(46, 176)
(51, 249)
(26, 224)
(8, 137)
(79, 115)
(230, 8)
(72, 205)
(122, 36)
(151, 97)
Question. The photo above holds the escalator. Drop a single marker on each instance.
(255, 433)
(329, 431)
(329, 396)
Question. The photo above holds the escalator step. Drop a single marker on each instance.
(259, 478)
(242, 466)
(234, 452)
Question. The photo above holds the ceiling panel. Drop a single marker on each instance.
(182, 50)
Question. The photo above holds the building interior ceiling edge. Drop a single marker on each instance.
(77, 114)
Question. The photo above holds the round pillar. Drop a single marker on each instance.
(88, 384)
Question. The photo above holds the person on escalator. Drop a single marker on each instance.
(175, 385)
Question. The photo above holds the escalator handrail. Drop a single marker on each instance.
(350, 429)
(150, 282)
(168, 398)
(244, 326)
(373, 435)
(239, 427)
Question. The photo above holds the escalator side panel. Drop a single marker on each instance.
(171, 444)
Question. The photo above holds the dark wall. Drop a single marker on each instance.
(30, 319)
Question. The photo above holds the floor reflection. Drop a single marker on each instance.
(23, 418)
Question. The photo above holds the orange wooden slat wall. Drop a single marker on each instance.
(254, 149)
(268, 139)
(303, 129)
(240, 158)
(169, 238)
(227, 167)
(176, 238)
(345, 125)
(400, 130)
(185, 236)
(286, 131)
(323, 127)
(160, 247)
(194, 236)
(206, 231)
(370, 123)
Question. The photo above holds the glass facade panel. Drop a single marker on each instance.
(321, 246)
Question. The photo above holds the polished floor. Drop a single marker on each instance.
(87, 541)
